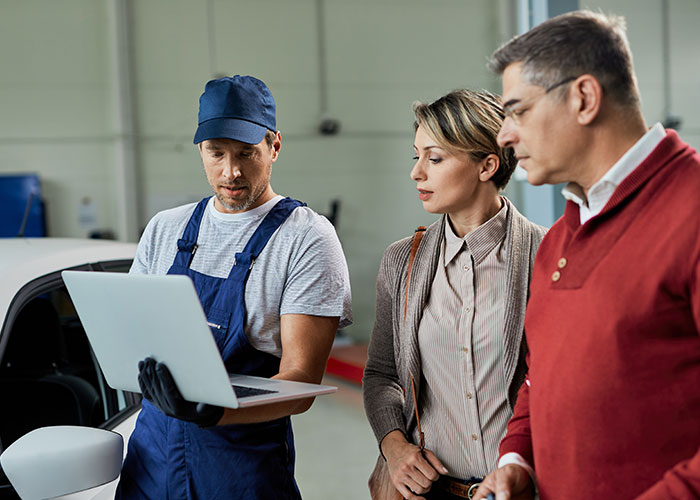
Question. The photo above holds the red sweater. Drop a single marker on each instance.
(613, 406)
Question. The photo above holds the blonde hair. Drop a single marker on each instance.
(468, 121)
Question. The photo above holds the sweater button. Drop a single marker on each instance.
(562, 263)
(556, 275)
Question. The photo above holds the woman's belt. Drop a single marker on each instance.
(463, 488)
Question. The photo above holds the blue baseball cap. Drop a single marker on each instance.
(238, 107)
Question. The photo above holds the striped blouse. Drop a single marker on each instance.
(463, 401)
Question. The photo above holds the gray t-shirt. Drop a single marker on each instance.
(301, 270)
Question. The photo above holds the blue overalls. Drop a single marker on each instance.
(172, 459)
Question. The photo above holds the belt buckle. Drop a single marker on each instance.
(463, 489)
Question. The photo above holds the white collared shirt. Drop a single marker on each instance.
(600, 193)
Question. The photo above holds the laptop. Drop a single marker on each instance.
(129, 317)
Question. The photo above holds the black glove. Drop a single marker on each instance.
(157, 385)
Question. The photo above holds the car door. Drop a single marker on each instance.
(48, 372)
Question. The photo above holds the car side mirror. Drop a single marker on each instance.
(54, 461)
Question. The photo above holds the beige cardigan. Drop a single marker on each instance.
(393, 347)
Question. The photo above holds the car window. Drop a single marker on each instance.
(114, 266)
(48, 372)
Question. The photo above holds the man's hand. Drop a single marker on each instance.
(510, 482)
(157, 385)
(412, 472)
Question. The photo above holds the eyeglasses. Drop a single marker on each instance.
(516, 110)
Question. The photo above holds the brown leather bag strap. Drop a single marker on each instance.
(417, 237)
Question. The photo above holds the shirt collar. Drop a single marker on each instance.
(622, 167)
(479, 241)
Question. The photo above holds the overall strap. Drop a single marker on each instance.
(274, 219)
(187, 245)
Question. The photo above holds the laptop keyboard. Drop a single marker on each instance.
(246, 392)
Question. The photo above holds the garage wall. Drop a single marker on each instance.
(55, 102)
(58, 114)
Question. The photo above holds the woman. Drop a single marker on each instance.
(457, 327)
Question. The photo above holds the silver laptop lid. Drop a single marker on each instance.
(129, 317)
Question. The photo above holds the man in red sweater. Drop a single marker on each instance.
(611, 405)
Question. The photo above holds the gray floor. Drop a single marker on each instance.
(336, 450)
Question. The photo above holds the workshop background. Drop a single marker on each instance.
(98, 107)
(99, 98)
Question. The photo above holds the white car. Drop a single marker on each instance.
(48, 373)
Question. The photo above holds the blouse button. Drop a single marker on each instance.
(556, 275)
(562, 263)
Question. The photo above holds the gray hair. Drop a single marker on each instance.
(571, 45)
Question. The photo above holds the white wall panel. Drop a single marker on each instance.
(55, 97)
(684, 16)
(384, 54)
(53, 81)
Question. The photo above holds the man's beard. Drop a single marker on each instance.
(240, 205)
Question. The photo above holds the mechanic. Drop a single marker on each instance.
(273, 282)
